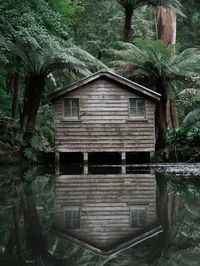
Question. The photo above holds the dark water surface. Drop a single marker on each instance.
(100, 215)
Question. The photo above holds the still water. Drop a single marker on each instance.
(100, 215)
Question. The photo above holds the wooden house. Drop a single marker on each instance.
(106, 213)
(104, 113)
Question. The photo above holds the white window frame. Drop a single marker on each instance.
(137, 116)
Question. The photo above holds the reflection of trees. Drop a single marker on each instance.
(179, 246)
(34, 235)
(21, 235)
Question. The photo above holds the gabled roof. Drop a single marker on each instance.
(111, 75)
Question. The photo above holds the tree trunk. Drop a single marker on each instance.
(35, 239)
(166, 31)
(9, 82)
(163, 201)
(16, 89)
(166, 26)
(127, 25)
(160, 116)
(16, 219)
(32, 97)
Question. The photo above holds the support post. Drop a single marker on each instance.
(57, 157)
(57, 169)
(85, 171)
(123, 158)
(57, 163)
(85, 158)
(123, 169)
(152, 156)
(85, 161)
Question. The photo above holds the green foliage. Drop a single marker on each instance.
(45, 125)
(42, 139)
(153, 59)
(192, 119)
(29, 154)
(10, 137)
(188, 28)
(183, 142)
(177, 136)
(133, 4)
(5, 102)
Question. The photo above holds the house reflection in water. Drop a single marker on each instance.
(106, 213)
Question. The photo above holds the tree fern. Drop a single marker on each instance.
(192, 118)
(133, 4)
(154, 60)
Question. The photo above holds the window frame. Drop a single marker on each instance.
(72, 226)
(71, 117)
(139, 224)
(137, 117)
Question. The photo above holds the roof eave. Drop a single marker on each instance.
(111, 75)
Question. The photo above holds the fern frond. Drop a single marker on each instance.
(192, 118)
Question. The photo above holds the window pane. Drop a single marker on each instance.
(133, 112)
(68, 219)
(141, 112)
(140, 103)
(67, 109)
(133, 103)
(76, 219)
(134, 218)
(142, 217)
(72, 219)
(75, 107)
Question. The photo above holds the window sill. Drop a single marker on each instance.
(70, 119)
(137, 119)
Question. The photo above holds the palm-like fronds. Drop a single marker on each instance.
(192, 118)
(42, 58)
(133, 4)
(152, 58)
(190, 91)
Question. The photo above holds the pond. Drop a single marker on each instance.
(100, 215)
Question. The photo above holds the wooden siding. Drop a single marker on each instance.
(104, 123)
(104, 202)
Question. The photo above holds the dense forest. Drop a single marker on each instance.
(47, 45)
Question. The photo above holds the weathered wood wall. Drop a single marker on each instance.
(104, 202)
(104, 123)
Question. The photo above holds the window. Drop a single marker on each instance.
(137, 107)
(71, 107)
(72, 219)
(138, 218)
